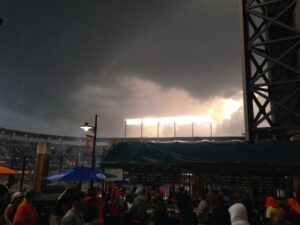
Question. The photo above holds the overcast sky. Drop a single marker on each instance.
(61, 62)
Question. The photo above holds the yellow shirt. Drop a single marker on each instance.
(271, 212)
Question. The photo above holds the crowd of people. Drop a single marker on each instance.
(148, 206)
(237, 209)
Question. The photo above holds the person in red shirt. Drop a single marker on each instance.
(100, 204)
(26, 213)
(116, 206)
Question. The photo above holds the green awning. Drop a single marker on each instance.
(195, 154)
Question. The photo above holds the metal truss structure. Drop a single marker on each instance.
(271, 42)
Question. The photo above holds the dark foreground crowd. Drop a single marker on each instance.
(140, 207)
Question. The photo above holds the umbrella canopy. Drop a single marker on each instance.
(6, 170)
(80, 173)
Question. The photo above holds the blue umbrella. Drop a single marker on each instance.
(80, 173)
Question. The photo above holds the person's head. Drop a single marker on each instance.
(159, 194)
(181, 189)
(237, 197)
(238, 212)
(99, 191)
(30, 195)
(281, 203)
(92, 192)
(78, 201)
(17, 198)
(69, 191)
(272, 202)
(140, 191)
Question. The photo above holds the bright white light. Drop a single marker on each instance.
(150, 121)
(133, 121)
(86, 129)
(166, 120)
(202, 119)
(170, 120)
(230, 107)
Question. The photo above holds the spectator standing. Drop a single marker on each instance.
(63, 204)
(74, 216)
(139, 208)
(184, 203)
(220, 212)
(4, 199)
(195, 196)
(160, 213)
(292, 213)
(279, 218)
(11, 209)
(100, 205)
(26, 213)
(91, 212)
(202, 204)
(238, 214)
(272, 209)
(117, 203)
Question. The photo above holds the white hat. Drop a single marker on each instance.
(16, 195)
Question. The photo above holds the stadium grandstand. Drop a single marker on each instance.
(66, 151)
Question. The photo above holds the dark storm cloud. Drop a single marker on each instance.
(194, 47)
(51, 48)
(51, 51)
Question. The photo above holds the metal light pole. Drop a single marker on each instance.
(93, 129)
(158, 130)
(125, 130)
(94, 142)
(174, 129)
(192, 129)
(142, 131)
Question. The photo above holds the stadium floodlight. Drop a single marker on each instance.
(166, 120)
(151, 121)
(202, 119)
(133, 121)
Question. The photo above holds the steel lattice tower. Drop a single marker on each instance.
(271, 40)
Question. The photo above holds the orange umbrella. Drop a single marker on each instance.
(6, 170)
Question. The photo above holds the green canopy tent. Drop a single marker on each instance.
(258, 157)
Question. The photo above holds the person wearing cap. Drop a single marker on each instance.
(26, 213)
(74, 216)
(10, 211)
